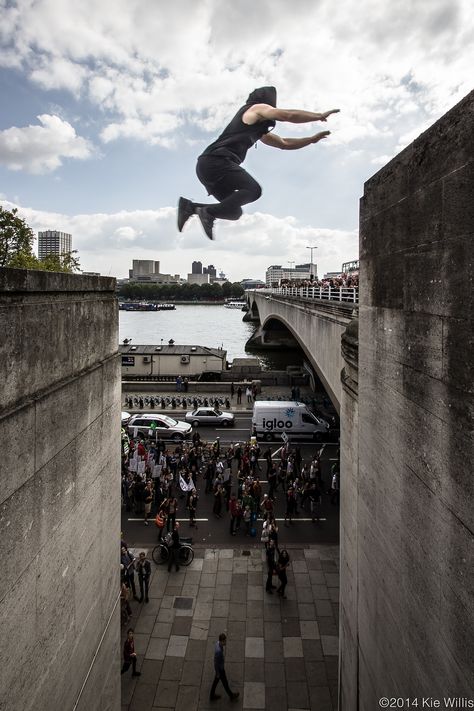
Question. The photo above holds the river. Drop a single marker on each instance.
(210, 325)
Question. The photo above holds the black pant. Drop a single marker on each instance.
(143, 581)
(223, 678)
(173, 558)
(126, 665)
(229, 183)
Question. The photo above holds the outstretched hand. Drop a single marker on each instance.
(319, 136)
(325, 114)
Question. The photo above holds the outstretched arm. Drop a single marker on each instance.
(263, 112)
(291, 144)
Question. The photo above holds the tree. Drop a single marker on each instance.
(16, 238)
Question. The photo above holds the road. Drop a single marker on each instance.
(214, 531)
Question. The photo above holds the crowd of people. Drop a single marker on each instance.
(345, 280)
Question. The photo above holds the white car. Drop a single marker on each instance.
(209, 416)
(159, 426)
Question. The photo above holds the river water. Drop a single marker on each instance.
(211, 325)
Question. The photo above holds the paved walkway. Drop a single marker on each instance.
(281, 654)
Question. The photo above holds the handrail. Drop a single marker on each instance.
(341, 294)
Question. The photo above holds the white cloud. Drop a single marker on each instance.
(109, 242)
(41, 149)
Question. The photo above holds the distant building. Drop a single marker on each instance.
(252, 284)
(198, 279)
(147, 271)
(211, 270)
(53, 242)
(350, 267)
(196, 268)
(302, 272)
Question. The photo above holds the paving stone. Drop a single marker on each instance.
(316, 673)
(239, 580)
(301, 580)
(312, 650)
(143, 697)
(240, 566)
(238, 595)
(320, 698)
(254, 592)
(235, 650)
(161, 629)
(188, 698)
(225, 564)
(327, 626)
(238, 611)
(272, 613)
(220, 608)
(177, 646)
(330, 644)
(307, 611)
(255, 578)
(295, 669)
(332, 580)
(224, 577)
(254, 695)
(235, 672)
(289, 608)
(297, 694)
(181, 626)
(334, 690)
(255, 610)
(173, 590)
(192, 577)
(211, 554)
(199, 629)
(334, 594)
(304, 595)
(208, 580)
(144, 624)
(166, 693)
(236, 629)
(156, 648)
(290, 627)
(292, 647)
(332, 669)
(273, 651)
(226, 553)
(275, 699)
(167, 602)
(196, 650)
(216, 626)
(203, 611)
(329, 566)
(209, 567)
(273, 631)
(274, 674)
(317, 577)
(205, 595)
(254, 647)
(222, 592)
(172, 669)
(195, 565)
(151, 670)
(309, 629)
(254, 671)
(189, 590)
(165, 615)
(323, 608)
(254, 628)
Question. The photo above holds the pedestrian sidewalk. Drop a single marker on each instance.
(281, 654)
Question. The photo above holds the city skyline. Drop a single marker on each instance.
(109, 106)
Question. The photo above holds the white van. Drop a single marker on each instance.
(273, 420)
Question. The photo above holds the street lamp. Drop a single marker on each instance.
(311, 248)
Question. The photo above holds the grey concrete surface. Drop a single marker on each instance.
(281, 654)
(59, 492)
(407, 522)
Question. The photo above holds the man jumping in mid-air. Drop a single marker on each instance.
(219, 169)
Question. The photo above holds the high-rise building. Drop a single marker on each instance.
(53, 242)
(196, 268)
(144, 268)
(211, 270)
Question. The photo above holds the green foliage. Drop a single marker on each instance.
(15, 236)
(179, 292)
(16, 247)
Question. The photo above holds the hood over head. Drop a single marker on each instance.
(263, 95)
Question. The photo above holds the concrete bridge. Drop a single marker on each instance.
(286, 317)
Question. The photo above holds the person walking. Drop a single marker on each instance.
(192, 504)
(174, 548)
(219, 167)
(129, 655)
(219, 669)
(128, 562)
(239, 395)
(144, 573)
(148, 499)
(282, 565)
(271, 565)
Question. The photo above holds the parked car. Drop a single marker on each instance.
(125, 418)
(209, 416)
(159, 426)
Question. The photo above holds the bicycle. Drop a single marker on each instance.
(161, 553)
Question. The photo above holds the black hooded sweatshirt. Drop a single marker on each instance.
(238, 137)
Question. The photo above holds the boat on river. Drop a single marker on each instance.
(144, 306)
(235, 304)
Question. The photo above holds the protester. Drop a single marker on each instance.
(219, 670)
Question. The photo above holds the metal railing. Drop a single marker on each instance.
(342, 294)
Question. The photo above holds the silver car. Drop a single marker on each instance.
(159, 426)
(209, 416)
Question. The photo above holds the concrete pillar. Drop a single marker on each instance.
(59, 492)
(407, 585)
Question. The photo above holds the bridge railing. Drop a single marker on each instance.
(342, 294)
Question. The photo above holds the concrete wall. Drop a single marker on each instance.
(59, 492)
(317, 328)
(408, 625)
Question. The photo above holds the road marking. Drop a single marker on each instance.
(181, 520)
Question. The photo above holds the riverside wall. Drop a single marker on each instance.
(407, 514)
(59, 492)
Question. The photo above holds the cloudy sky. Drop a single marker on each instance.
(107, 103)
